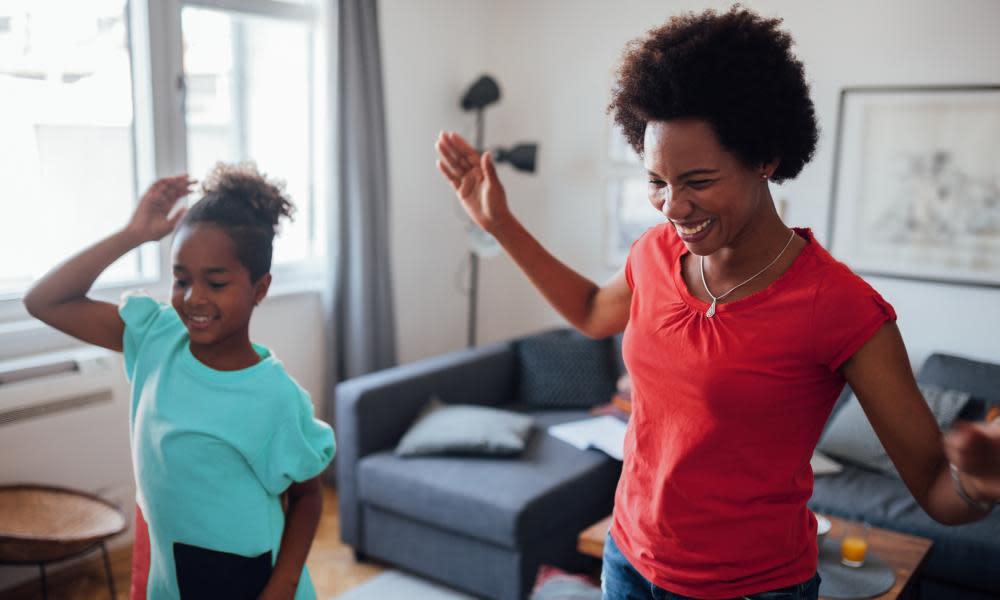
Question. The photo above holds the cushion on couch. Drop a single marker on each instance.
(465, 430)
(851, 437)
(565, 369)
(505, 502)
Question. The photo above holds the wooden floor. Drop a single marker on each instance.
(331, 564)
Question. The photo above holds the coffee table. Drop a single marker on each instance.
(904, 553)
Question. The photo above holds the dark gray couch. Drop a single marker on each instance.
(484, 525)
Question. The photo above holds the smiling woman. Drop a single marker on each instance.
(739, 331)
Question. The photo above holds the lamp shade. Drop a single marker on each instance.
(480, 94)
(521, 156)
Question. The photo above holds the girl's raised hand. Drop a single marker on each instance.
(474, 179)
(152, 219)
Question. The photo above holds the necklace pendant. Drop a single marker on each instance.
(711, 310)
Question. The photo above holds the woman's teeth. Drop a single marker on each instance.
(692, 230)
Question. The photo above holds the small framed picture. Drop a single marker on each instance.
(916, 183)
(629, 215)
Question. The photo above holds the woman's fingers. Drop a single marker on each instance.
(450, 154)
(974, 448)
(463, 146)
(449, 159)
(452, 177)
(469, 183)
(464, 155)
(489, 168)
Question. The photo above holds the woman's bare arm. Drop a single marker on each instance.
(880, 375)
(595, 310)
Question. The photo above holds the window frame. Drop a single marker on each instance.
(160, 148)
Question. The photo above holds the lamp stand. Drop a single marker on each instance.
(473, 257)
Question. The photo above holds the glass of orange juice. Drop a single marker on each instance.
(854, 546)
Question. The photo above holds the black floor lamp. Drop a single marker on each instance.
(481, 94)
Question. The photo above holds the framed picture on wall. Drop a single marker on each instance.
(628, 213)
(916, 183)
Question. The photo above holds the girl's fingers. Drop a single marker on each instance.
(177, 217)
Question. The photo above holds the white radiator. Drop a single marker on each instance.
(64, 422)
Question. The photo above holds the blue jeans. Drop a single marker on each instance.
(620, 581)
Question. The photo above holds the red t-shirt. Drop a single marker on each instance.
(726, 412)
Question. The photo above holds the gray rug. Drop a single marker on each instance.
(394, 584)
(872, 579)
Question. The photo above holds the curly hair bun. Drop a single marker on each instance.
(242, 183)
(248, 207)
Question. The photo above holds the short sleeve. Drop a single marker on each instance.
(299, 448)
(847, 312)
(138, 312)
(638, 250)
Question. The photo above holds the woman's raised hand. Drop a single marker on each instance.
(474, 179)
(152, 218)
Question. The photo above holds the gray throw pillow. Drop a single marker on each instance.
(850, 436)
(466, 430)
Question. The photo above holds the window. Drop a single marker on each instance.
(65, 78)
(98, 103)
(250, 96)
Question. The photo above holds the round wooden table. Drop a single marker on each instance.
(43, 524)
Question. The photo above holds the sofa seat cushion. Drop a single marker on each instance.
(506, 501)
(966, 554)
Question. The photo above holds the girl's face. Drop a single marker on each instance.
(212, 291)
(708, 194)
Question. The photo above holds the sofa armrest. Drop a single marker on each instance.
(372, 412)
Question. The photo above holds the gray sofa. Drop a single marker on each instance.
(482, 525)
(485, 525)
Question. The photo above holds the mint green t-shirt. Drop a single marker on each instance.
(212, 452)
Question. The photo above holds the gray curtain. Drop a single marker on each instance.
(362, 325)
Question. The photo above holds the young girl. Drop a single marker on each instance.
(219, 430)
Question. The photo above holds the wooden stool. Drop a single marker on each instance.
(43, 524)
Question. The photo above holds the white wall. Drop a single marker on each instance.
(291, 325)
(555, 61)
(431, 50)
